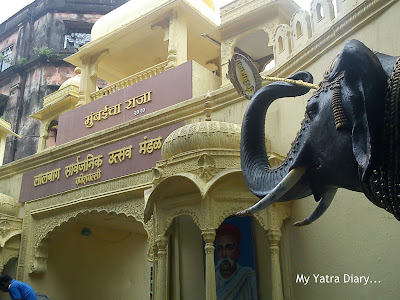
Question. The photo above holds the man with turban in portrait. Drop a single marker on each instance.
(233, 281)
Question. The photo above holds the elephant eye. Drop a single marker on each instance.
(312, 110)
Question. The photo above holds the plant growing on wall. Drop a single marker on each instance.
(44, 52)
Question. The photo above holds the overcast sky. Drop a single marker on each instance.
(10, 7)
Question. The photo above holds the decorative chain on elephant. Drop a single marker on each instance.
(349, 138)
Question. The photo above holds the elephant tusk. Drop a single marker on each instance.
(323, 205)
(285, 185)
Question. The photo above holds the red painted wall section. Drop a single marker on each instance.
(57, 75)
(9, 40)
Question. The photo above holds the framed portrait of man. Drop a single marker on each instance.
(235, 275)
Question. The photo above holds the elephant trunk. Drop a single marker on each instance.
(261, 179)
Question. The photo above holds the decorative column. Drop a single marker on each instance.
(271, 220)
(42, 137)
(177, 40)
(162, 268)
(227, 50)
(209, 237)
(274, 236)
(155, 270)
(88, 83)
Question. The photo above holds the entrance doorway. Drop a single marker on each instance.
(97, 256)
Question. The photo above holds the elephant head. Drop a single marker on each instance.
(341, 143)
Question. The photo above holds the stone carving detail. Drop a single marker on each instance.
(9, 227)
(8, 205)
(227, 49)
(207, 169)
(226, 54)
(282, 43)
(23, 248)
(350, 15)
(202, 135)
(6, 227)
(322, 14)
(157, 175)
(171, 215)
(301, 28)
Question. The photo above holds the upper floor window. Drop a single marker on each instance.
(5, 58)
(74, 40)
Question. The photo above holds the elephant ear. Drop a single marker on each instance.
(363, 92)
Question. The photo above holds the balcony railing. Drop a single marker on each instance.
(131, 80)
(60, 94)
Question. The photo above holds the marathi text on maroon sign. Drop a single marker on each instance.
(121, 158)
(150, 95)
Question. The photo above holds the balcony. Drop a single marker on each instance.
(128, 81)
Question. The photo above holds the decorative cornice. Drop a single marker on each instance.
(235, 8)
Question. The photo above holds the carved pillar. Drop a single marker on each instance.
(274, 236)
(272, 220)
(155, 270)
(88, 83)
(162, 269)
(44, 134)
(226, 55)
(208, 237)
(177, 40)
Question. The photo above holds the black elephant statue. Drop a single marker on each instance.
(349, 138)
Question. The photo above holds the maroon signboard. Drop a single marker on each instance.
(163, 90)
(121, 158)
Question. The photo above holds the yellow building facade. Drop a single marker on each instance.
(127, 203)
